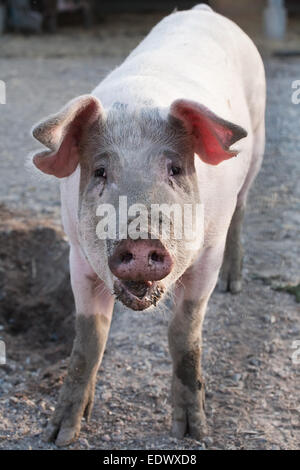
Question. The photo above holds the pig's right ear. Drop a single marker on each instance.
(212, 136)
(62, 133)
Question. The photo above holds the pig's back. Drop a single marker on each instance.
(195, 54)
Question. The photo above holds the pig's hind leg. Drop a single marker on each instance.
(94, 306)
(231, 272)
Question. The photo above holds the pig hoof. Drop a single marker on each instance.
(65, 424)
(191, 424)
(66, 436)
(235, 287)
(224, 285)
(60, 435)
(50, 433)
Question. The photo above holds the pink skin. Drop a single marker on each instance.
(91, 294)
(212, 136)
(62, 158)
(199, 281)
(140, 260)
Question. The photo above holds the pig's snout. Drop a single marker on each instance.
(140, 260)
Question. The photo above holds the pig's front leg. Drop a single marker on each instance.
(187, 382)
(94, 306)
(185, 331)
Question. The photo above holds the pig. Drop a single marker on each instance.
(181, 121)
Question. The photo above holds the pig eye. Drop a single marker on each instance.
(174, 170)
(100, 173)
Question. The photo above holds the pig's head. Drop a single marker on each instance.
(138, 187)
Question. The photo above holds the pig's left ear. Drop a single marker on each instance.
(62, 133)
(212, 135)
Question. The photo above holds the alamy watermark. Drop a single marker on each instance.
(296, 353)
(2, 353)
(2, 92)
(296, 93)
(163, 221)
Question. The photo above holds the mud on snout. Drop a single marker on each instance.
(139, 267)
(138, 295)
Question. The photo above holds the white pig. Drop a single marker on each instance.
(158, 129)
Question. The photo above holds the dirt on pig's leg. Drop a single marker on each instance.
(185, 342)
(92, 327)
(188, 390)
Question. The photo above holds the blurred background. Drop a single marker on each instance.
(50, 52)
(51, 16)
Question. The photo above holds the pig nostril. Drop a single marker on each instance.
(156, 258)
(140, 261)
(126, 257)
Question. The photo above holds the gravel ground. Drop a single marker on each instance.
(253, 386)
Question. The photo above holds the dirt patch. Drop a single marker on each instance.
(35, 294)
